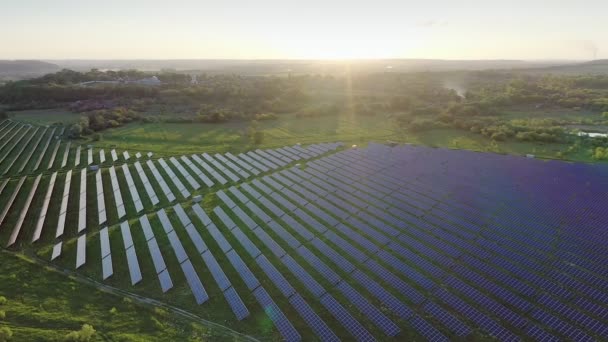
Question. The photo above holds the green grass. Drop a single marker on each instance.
(44, 305)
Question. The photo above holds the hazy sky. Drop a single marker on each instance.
(168, 29)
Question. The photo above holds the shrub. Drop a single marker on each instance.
(2, 300)
(5, 334)
(83, 335)
(2, 314)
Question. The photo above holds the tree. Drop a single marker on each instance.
(75, 131)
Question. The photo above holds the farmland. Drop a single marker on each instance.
(300, 238)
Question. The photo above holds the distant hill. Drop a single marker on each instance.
(21, 69)
(596, 67)
(283, 67)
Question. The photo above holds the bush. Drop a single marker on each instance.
(2, 300)
(2, 314)
(258, 137)
(83, 335)
(5, 334)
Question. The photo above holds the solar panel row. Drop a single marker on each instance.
(64, 204)
(120, 206)
(26, 206)
(44, 209)
(101, 205)
(161, 181)
(174, 179)
(147, 186)
(82, 205)
(132, 189)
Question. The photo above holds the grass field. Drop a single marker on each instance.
(45, 305)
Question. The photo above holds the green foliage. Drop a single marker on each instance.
(83, 335)
(5, 334)
(75, 131)
(2, 314)
(600, 153)
(2, 300)
(113, 311)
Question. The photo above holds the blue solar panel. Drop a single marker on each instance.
(157, 257)
(200, 295)
(315, 322)
(251, 191)
(318, 265)
(227, 200)
(196, 238)
(456, 327)
(284, 234)
(258, 212)
(427, 330)
(282, 201)
(241, 268)
(165, 281)
(261, 186)
(334, 256)
(216, 271)
(238, 194)
(219, 238)
(405, 289)
(275, 276)
(246, 242)
(322, 215)
(284, 326)
(305, 278)
(309, 220)
(226, 220)
(134, 271)
(346, 246)
(270, 243)
(390, 301)
(406, 270)
(348, 322)
(176, 244)
(376, 316)
(236, 304)
(295, 225)
(270, 206)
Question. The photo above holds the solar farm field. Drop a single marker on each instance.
(323, 242)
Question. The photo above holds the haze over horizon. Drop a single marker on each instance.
(271, 29)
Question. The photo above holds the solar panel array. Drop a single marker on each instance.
(157, 258)
(174, 179)
(120, 206)
(44, 149)
(90, 156)
(64, 204)
(197, 288)
(106, 253)
(66, 153)
(28, 157)
(147, 186)
(26, 206)
(101, 204)
(132, 262)
(102, 156)
(54, 155)
(77, 156)
(44, 209)
(11, 200)
(161, 181)
(82, 207)
(132, 189)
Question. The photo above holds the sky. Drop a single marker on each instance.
(312, 29)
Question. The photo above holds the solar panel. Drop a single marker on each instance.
(427, 330)
(106, 265)
(226, 220)
(248, 189)
(246, 242)
(305, 278)
(157, 257)
(335, 257)
(145, 226)
(236, 304)
(238, 194)
(241, 268)
(316, 323)
(164, 220)
(200, 213)
(229, 202)
(104, 239)
(318, 265)
(447, 319)
(200, 295)
(24, 210)
(284, 326)
(344, 317)
(81, 251)
(270, 243)
(176, 244)
(134, 271)
(219, 238)
(56, 250)
(216, 271)
(132, 189)
(43, 210)
(165, 281)
(244, 218)
(275, 276)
